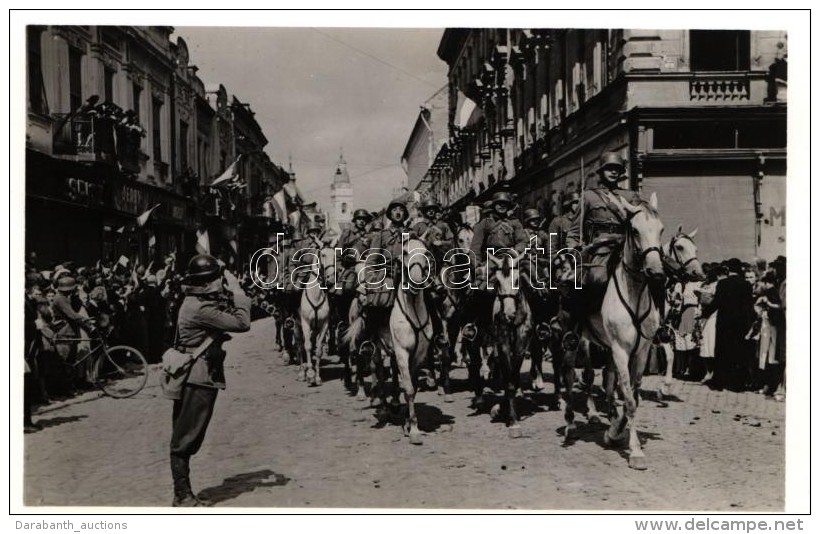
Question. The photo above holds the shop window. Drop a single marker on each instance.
(719, 50)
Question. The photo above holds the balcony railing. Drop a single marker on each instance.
(77, 136)
(726, 87)
(100, 139)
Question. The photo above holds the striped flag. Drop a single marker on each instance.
(227, 176)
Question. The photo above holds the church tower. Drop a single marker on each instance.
(341, 196)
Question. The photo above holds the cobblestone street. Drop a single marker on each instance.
(275, 442)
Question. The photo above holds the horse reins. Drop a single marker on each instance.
(640, 274)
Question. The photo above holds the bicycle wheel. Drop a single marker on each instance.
(121, 371)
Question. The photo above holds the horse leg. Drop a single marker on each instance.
(568, 383)
(474, 372)
(664, 389)
(588, 385)
(405, 381)
(537, 351)
(323, 332)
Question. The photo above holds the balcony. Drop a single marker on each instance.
(738, 88)
(719, 88)
(101, 133)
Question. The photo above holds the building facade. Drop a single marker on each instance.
(698, 115)
(429, 135)
(119, 122)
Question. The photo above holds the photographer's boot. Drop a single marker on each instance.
(183, 496)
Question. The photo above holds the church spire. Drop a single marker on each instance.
(341, 176)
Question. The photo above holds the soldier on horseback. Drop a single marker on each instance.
(561, 224)
(603, 220)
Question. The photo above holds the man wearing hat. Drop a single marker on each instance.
(442, 239)
(69, 323)
(388, 241)
(214, 305)
(498, 230)
(600, 221)
(734, 305)
(353, 238)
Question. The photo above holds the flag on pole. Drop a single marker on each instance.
(467, 111)
(143, 218)
(203, 243)
(278, 202)
(229, 174)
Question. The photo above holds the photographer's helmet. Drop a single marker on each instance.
(202, 268)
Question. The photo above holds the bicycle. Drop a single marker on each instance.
(119, 371)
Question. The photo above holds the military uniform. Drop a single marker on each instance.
(353, 238)
(602, 215)
(389, 242)
(498, 232)
(201, 315)
(603, 230)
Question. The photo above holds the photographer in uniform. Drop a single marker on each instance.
(214, 304)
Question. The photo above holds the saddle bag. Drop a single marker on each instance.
(176, 365)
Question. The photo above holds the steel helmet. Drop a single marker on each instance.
(530, 214)
(396, 204)
(611, 159)
(429, 204)
(202, 268)
(502, 196)
(361, 214)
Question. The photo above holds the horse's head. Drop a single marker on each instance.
(506, 276)
(417, 265)
(642, 250)
(681, 255)
(464, 237)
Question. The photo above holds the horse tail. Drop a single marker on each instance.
(356, 326)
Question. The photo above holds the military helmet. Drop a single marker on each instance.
(202, 268)
(570, 197)
(530, 214)
(610, 159)
(429, 204)
(361, 214)
(398, 204)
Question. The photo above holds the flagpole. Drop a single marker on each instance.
(583, 188)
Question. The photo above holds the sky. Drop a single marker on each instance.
(318, 90)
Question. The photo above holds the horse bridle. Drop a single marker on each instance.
(680, 270)
(418, 327)
(641, 254)
(640, 274)
(319, 277)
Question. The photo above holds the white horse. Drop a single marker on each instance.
(411, 330)
(681, 263)
(314, 315)
(629, 318)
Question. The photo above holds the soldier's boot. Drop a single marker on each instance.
(183, 495)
